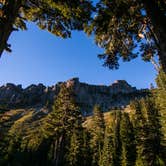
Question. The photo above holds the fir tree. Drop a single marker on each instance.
(74, 152)
(160, 99)
(148, 135)
(139, 124)
(117, 143)
(86, 150)
(155, 149)
(128, 141)
(98, 128)
(61, 122)
(107, 151)
(160, 95)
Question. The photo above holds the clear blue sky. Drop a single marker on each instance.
(40, 57)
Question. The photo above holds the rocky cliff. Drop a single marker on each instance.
(118, 94)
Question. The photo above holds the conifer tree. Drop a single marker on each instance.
(60, 123)
(98, 128)
(107, 151)
(148, 136)
(86, 150)
(74, 152)
(139, 124)
(155, 148)
(161, 101)
(117, 143)
(128, 141)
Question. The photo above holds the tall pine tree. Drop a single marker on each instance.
(117, 143)
(161, 101)
(60, 123)
(107, 151)
(128, 141)
(98, 128)
(148, 136)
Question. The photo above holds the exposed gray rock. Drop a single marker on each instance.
(118, 94)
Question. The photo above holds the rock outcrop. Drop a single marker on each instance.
(118, 94)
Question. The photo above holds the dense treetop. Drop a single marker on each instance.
(58, 17)
(120, 26)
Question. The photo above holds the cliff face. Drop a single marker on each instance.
(118, 94)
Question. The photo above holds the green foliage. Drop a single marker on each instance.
(117, 152)
(62, 127)
(98, 128)
(113, 19)
(161, 100)
(65, 114)
(106, 158)
(148, 133)
(58, 17)
(74, 153)
(128, 141)
(120, 26)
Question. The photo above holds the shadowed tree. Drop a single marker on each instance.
(121, 26)
(148, 134)
(128, 141)
(117, 143)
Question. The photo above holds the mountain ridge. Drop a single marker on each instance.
(118, 94)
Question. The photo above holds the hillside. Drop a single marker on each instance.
(107, 116)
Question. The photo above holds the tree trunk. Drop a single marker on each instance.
(59, 151)
(158, 20)
(10, 11)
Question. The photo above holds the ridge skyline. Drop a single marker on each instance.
(70, 79)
